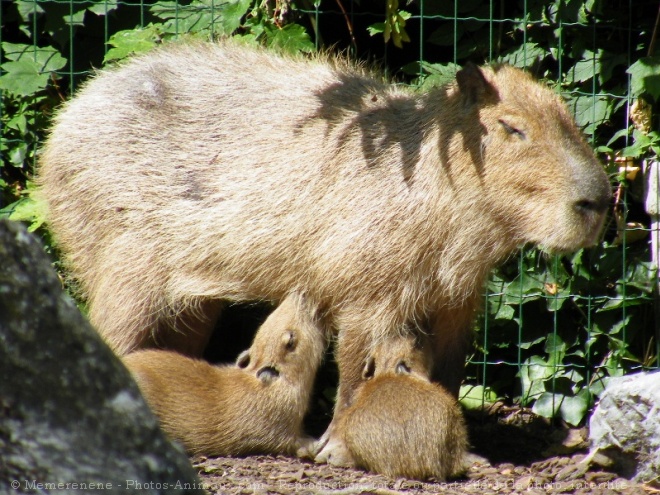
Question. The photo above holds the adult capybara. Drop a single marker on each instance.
(401, 424)
(256, 406)
(203, 173)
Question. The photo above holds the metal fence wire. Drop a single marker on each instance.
(553, 327)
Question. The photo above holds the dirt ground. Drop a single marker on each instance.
(520, 454)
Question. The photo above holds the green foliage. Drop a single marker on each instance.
(25, 107)
(27, 209)
(578, 313)
(645, 77)
(133, 42)
(210, 19)
(394, 26)
(476, 396)
(29, 69)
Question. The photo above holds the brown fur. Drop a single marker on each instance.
(401, 424)
(203, 173)
(256, 406)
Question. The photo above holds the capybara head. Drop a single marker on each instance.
(539, 177)
(288, 345)
(399, 355)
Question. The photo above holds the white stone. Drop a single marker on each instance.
(625, 427)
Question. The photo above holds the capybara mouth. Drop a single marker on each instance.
(268, 373)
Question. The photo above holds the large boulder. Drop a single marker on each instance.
(71, 418)
(625, 427)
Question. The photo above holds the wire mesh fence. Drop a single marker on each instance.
(554, 326)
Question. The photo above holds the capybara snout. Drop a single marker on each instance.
(266, 373)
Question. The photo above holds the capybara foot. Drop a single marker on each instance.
(306, 447)
(335, 452)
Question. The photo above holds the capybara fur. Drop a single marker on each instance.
(254, 407)
(203, 173)
(401, 424)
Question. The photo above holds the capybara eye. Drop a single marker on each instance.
(512, 130)
(290, 341)
(268, 373)
(243, 360)
(402, 368)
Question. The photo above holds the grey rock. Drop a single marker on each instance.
(625, 427)
(71, 418)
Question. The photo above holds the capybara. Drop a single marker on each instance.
(255, 406)
(400, 424)
(203, 173)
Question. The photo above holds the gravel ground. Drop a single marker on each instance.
(515, 452)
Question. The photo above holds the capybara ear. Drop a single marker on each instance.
(473, 85)
(369, 368)
(243, 360)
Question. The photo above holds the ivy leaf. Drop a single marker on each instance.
(23, 77)
(232, 15)
(185, 18)
(76, 18)
(27, 8)
(625, 132)
(572, 409)
(645, 77)
(133, 41)
(18, 122)
(394, 27)
(585, 69)
(556, 302)
(47, 56)
(27, 209)
(524, 56)
(29, 68)
(18, 154)
(533, 373)
(476, 396)
(547, 404)
(555, 347)
(292, 38)
(378, 28)
(103, 7)
(590, 111)
(522, 289)
(432, 75)
(505, 312)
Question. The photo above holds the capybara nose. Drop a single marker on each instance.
(597, 204)
(593, 193)
(402, 368)
(268, 373)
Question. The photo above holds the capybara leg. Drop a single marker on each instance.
(353, 347)
(125, 320)
(450, 350)
(189, 331)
